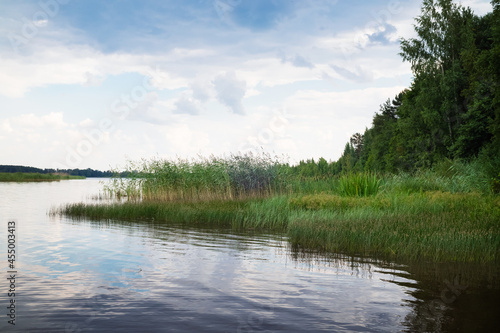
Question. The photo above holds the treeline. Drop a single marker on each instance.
(89, 173)
(452, 108)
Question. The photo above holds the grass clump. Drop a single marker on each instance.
(359, 184)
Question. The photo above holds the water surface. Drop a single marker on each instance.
(124, 276)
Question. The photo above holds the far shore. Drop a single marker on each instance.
(35, 177)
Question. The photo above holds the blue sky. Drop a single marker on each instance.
(96, 83)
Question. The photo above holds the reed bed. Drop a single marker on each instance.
(445, 214)
(214, 178)
(435, 226)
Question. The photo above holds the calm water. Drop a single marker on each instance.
(116, 276)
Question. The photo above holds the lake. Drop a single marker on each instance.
(145, 276)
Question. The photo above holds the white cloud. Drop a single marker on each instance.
(312, 62)
(5, 127)
(183, 139)
(93, 79)
(270, 72)
(340, 105)
(87, 123)
(479, 7)
(201, 90)
(52, 121)
(80, 65)
(187, 105)
(230, 91)
(358, 74)
(145, 110)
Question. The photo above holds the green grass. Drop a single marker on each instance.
(437, 226)
(359, 184)
(448, 214)
(271, 213)
(447, 176)
(34, 177)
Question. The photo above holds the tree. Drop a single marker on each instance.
(436, 111)
(381, 152)
(357, 143)
(451, 109)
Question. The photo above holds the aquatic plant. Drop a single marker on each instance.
(213, 178)
(444, 214)
(359, 184)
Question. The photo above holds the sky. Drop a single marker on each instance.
(94, 84)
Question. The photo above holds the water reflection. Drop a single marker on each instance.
(259, 277)
(441, 297)
(106, 276)
(454, 297)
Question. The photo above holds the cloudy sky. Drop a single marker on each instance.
(91, 83)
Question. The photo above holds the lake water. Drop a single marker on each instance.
(139, 276)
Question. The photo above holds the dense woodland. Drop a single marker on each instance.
(452, 108)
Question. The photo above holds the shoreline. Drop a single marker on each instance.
(34, 177)
(434, 226)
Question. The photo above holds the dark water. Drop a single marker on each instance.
(116, 276)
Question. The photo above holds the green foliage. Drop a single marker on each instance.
(447, 176)
(381, 148)
(359, 184)
(320, 201)
(314, 185)
(495, 186)
(451, 109)
(311, 170)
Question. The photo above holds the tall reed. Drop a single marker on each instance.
(213, 178)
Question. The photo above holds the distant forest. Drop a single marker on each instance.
(72, 172)
(451, 111)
